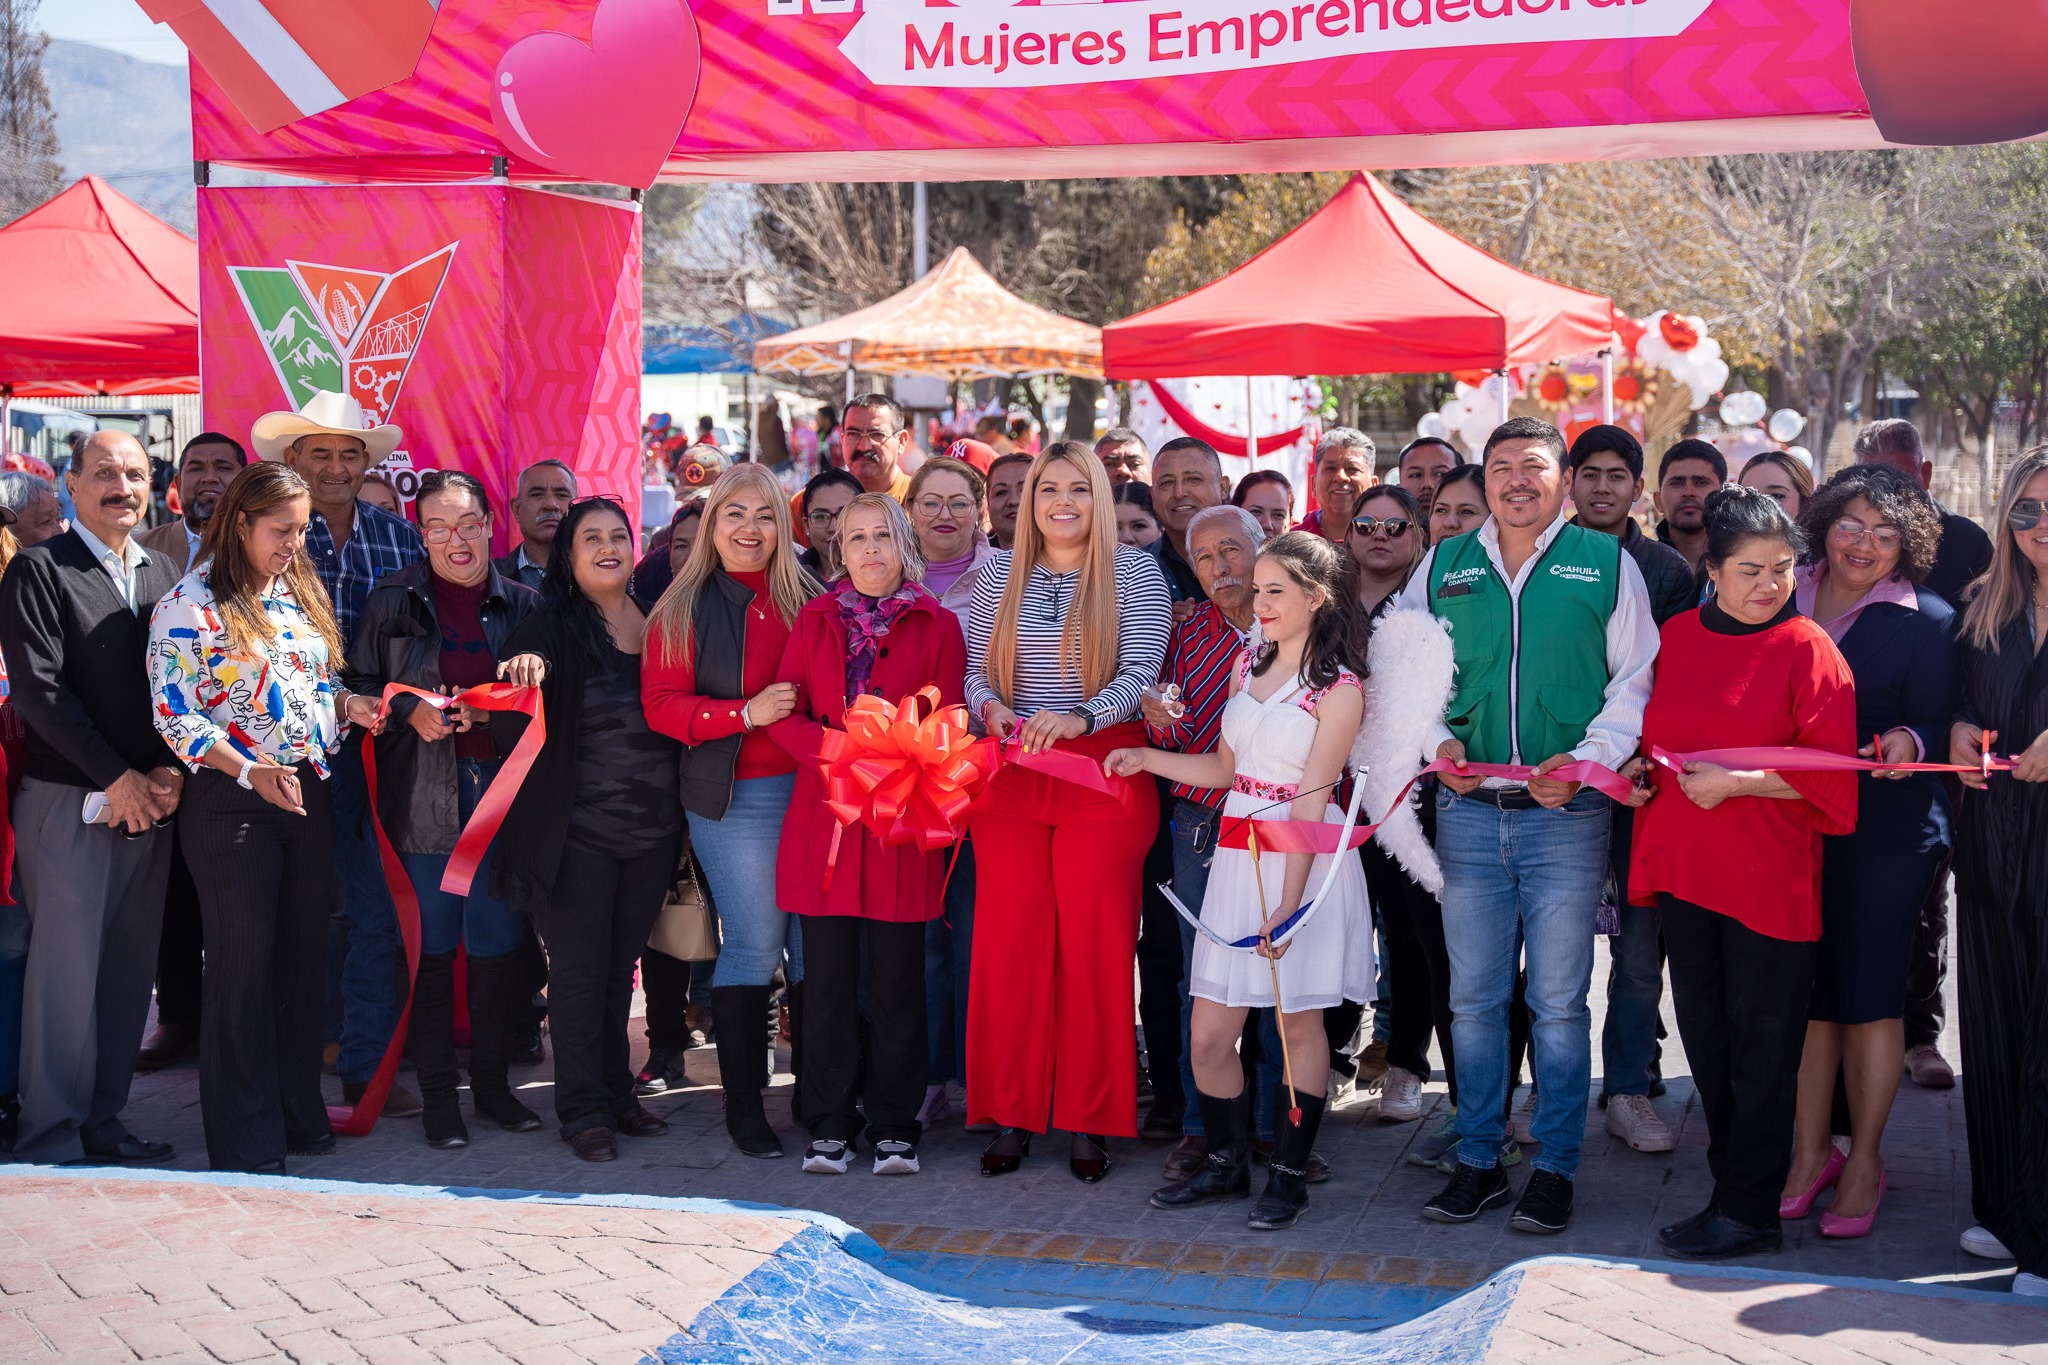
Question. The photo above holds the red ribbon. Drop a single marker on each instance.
(1316, 836)
(359, 1119)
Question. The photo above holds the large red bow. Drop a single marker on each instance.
(908, 777)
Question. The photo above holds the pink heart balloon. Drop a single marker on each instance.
(608, 111)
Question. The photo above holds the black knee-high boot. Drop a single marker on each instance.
(1286, 1193)
(743, 1070)
(431, 1040)
(500, 1011)
(1227, 1173)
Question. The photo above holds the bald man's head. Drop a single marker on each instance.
(109, 483)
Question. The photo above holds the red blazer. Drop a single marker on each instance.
(871, 881)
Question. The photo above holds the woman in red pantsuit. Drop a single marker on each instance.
(1063, 634)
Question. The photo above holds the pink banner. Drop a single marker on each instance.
(868, 89)
(496, 326)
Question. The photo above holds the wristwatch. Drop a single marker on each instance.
(1085, 716)
(242, 777)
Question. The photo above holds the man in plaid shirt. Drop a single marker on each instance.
(1223, 542)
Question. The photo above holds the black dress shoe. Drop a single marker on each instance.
(528, 1050)
(319, 1146)
(1546, 1204)
(1088, 1158)
(165, 1045)
(274, 1166)
(1717, 1236)
(131, 1151)
(1163, 1122)
(1471, 1192)
(640, 1123)
(1005, 1151)
(595, 1144)
(1687, 1224)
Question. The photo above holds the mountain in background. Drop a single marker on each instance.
(128, 122)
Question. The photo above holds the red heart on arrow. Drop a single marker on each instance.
(1949, 75)
(590, 111)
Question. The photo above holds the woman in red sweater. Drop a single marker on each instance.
(875, 632)
(716, 641)
(1732, 859)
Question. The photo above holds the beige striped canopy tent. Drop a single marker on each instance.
(956, 322)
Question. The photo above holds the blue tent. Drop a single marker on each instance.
(724, 349)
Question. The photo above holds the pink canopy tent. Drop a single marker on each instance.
(101, 298)
(1366, 286)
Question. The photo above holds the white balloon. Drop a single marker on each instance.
(1433, 426)
(1708, 348)
(1786, 424)
(1744, 408)
(1801, 453)
(1707, 382)
(1455, 412)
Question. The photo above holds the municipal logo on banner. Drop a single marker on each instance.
(344, 329)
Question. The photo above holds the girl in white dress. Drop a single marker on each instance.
(1293, 715)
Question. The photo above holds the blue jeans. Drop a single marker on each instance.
(1194, 843)
(737, 854)
(1542, 871)
(370, 990)
(484, 925)
(13, 977)
(948, 949)
(1635, 995)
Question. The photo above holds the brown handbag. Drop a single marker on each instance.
(686, 929)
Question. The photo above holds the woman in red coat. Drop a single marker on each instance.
(1732, 859)
(875, 632)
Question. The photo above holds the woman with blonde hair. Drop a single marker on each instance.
(2002, 883)
(1065, 631)
(244, 660)
(717, 638)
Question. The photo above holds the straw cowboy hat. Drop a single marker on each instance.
(327, 414)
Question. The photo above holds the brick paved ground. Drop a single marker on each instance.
(88, 1278)
(1370, 1207)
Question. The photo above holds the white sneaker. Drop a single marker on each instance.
(895, 1158)
(2030, 1286)
(828, 1156)
(1525, 1114)
(1400, 1096)
(1979, 1240)
(1630, 1118)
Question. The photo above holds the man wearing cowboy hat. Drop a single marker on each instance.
(352, 545)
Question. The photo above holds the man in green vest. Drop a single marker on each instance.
(1554, 640)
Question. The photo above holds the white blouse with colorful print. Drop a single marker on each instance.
(276, 704)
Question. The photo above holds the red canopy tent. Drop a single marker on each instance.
(1366, 286)
(101, 298)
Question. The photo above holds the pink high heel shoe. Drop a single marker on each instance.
(1830, 1172)
(1832, 1225)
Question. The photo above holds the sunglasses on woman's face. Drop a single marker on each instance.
(2026, 514)
(1395, 527)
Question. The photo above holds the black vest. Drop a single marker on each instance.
(718, 651)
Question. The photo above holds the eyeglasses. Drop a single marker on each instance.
(1850, 530)
(859, 435)
(821, 517)
(468, 530)
(933, 505)
(2026, 514)
(1395, 527)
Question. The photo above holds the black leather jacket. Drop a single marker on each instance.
(398, 640)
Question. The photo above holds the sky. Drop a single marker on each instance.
(118, 24)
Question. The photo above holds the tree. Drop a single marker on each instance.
(1077, 247)
(29, 171)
